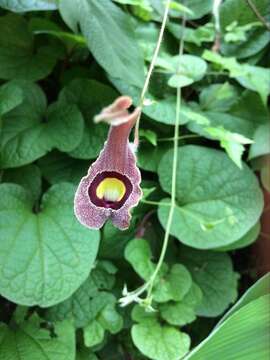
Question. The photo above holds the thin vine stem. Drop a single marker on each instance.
(151, 68)
(174, 178)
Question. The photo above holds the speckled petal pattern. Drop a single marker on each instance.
(116, 156)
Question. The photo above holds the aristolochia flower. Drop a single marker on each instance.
(112, 185)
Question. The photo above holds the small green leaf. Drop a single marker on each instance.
(51, 244)
(29, 340)
(149, 135)
(18, 57)
(210, 190)
(173, 285)
(160, 342)
(10, 97)
(138, 254)
(233, 143)
(93, 334)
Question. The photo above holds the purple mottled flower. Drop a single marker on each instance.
(112, 186)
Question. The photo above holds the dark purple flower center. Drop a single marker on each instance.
(110, 189)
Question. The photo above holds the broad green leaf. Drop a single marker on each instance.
(217, 203)
(26, 5)
(10, 97)
(30, 341)
(174, 285)
(28, 176)
(138, 253)
(214, 274)
(87, 302)
(93, 334)
(233, 143)
(59, 167)
(160, 342)
(45, 256)
(177, 313)
(90, 96)
(29, 131)
(260, 288)
(246, 240)
(109, 35)
(18, 57)
(261, 145)
(244, 335)
(218, 97)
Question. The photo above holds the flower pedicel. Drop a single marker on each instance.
(112, 186)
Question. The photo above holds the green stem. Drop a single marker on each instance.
(174, 178)
(151, 68)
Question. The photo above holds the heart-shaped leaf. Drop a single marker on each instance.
(217, 203)
(45, 256)
(18, 57)
(29, 131)
(30, 341)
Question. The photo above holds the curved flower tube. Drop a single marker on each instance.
(112, 185)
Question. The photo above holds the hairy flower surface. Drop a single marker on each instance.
(112, 185)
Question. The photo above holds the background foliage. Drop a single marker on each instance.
(60, 63)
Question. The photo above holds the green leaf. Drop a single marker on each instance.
(261, 144)
(187, 69)
(149, 156)
(110, 319)
(138, 253)
(61, 127)
(204, 33)
(28, 176)
(10, 97)
(218, 97)
(160, 342)
(254, 78)
(250, 237)
(214, 274)
(244, 335)
(233, 143)
(58, 167)
(197, 7)
(26, 5)
(217, 203)
(149, 135)
(30, 341)
(18, 57)
(90, 96)
(44, 256)
(177, 313)
(87, 302)
(109, 35)
(174, 285)
(93, 334)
